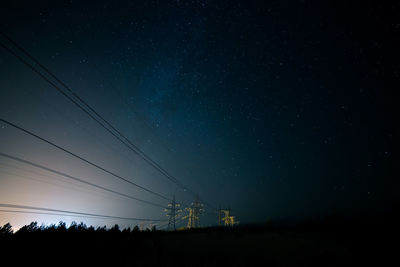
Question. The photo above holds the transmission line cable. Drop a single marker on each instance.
(44, 213)
(78, 179)
(14, 206)
(131, 146)
(83, 159)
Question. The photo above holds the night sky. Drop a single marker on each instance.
(276, 109)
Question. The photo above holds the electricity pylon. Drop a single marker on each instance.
(194, 212)
(228, 220)
(173, 213)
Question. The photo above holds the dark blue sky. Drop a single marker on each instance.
(280, 109)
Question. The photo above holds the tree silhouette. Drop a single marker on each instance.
(32, 227)
(126, 231)
(6, 230)
(61, 227)
(115, 229)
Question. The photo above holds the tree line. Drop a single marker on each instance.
(34, 227)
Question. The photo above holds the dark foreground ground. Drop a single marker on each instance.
(334, 243)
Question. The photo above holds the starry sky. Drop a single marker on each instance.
(279, 109)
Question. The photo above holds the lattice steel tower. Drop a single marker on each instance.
(173, 212)
(227, 220)
(194, 213)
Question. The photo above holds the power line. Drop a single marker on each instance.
(44, 213)
(131, 146)
(78, 179)
(14, 206)
(41, 181)
(135, 149)
(127, 142)
(83, 159)
(72, 100)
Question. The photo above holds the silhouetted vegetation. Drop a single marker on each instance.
(332, 241)
(6, 230)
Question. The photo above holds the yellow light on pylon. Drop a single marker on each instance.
(228, 219)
